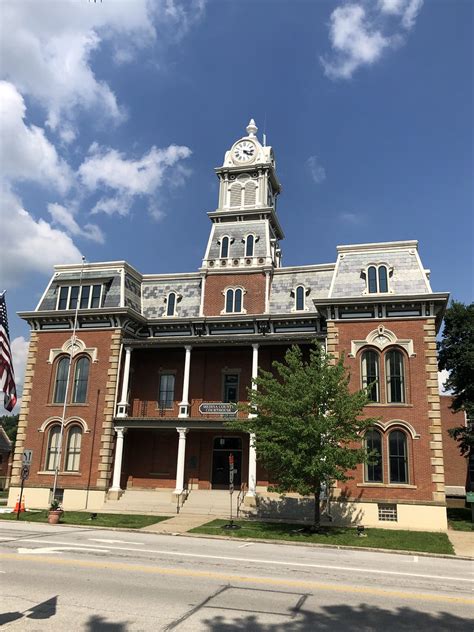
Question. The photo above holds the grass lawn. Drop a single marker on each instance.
(377, 538)
(459, 519)
(83, 517)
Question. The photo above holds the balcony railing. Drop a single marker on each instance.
(141, 408)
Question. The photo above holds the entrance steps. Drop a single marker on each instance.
(161, 502)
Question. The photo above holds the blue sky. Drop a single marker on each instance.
(115, 114)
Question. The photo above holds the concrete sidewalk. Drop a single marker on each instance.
(463, 542)
(178, 524)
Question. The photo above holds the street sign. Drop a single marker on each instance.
(27, 457)
(25, 472)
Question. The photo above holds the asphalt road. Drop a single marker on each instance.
(71, 578)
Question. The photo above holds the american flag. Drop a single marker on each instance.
(7, 375)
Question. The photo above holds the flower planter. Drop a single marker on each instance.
(54, 516)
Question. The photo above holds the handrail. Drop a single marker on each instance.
(182, 497)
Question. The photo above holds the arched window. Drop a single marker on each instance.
(372, 279)
(81, 377)
(233, 301)
(383, 279)
(370, 374)
(53, 448)
(300, 298)
(224, 247)
(249, 242)
(61, 380)
(397, 452)
(374, 468)
(73, 449)
(395, 378)
(171, 304)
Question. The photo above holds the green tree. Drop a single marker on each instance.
(10, 425)
(307, 423)
(456, 355)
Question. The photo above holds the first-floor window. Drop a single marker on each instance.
(397, 451)
(166, 396)
(73, 449)
(53, 448)
(374, 468)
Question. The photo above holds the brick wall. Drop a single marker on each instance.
(252, 283)
(421, 411)
(37, 407)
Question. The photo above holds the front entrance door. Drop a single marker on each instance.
(223, 447)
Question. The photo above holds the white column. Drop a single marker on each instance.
(122, 406)
(184, 404)
(118, 460)
(252, 484)
(180, 462)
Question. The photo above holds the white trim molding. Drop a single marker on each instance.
(382, 338)
(386, 426)
(70, 420)
(79, 347)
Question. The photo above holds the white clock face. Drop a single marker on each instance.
(245, 151)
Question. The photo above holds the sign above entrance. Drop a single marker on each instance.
(218, 408)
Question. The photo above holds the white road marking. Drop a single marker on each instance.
(242, 546)
(113, 541)
(353, 569)
(57, 549)
(415, 559)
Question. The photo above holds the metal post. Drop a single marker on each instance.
(68, 379)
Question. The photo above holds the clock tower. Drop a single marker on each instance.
(245, 228)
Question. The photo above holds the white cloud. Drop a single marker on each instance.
(442, 377)
(352, 218)
(25, 152)
(19, 348)
(361, 32)
(46, 49)
(108, 169)
(317, 171)
(65, 217)
(29, 245)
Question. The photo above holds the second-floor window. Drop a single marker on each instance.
(231, 387)
(166, 394)
(370, 374)
(81, 377)
(60, 384)
(233, 300)
(87, 296)
(395, 378)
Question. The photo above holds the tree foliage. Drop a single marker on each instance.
(307, 423)
(10, 425)
(456, 355)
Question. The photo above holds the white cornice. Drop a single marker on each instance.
(318, 267)
(384, 245)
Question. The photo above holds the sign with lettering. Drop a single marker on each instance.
(218, 408)
(27, 457)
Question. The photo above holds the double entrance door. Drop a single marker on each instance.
(223, 447)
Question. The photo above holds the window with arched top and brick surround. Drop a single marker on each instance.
(391, 362)
(79, 376)
(73, 448)
(52, 451)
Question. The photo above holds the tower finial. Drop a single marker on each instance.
(252, 128)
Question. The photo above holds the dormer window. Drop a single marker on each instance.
(300, 298)
(234, 300)
(377, 279)
(225, 248)
(88, 296)
(171, 304)
(249, 244)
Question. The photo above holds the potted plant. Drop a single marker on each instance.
(55, 512)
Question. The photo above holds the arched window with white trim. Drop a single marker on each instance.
(233, 300)
(377, 279)
(60, 382)
(225, 242)
(73, 448)
(374, 467)
(398, 457)
(52, 452)
(81, 378)
(383, 279)
(372, 279)
(395, 377)
(171, 304)
(249, 245)
(370, 371)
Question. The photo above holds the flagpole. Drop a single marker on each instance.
(68, 379)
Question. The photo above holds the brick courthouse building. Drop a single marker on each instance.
(160, 360)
